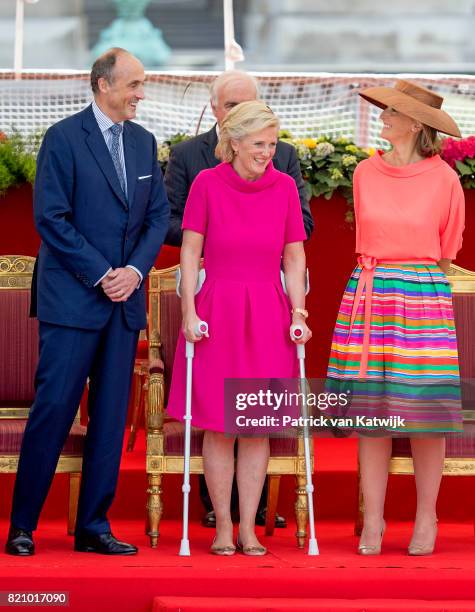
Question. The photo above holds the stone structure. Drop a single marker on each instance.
(361, 35)
(300, 35)
(54, 34)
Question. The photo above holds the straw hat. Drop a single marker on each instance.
(414, 101)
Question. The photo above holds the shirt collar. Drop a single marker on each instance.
(104, 121)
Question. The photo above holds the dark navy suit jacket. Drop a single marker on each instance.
(86, 224)
(189, 158)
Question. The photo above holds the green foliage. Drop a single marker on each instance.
(163, 149)
(17, 160)
(328, 164)
(466, 171)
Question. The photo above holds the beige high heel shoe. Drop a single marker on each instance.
(251, 550)
(419, 550)
(222, 551)
(372, 549)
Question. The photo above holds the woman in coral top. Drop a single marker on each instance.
(246, 215)
(394, 344)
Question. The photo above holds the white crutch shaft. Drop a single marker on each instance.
(200, 329)
(296, 332)
(185, 543)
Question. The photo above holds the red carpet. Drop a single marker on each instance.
(338, 574)
(286, 579)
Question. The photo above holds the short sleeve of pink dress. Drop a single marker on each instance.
(195, 217)
(294, 227)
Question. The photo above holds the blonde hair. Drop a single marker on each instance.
(427, 141)
(244, 119)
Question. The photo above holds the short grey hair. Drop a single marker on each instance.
(103, 67)
(228, 76)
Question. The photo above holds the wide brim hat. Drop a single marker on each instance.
(414, 101)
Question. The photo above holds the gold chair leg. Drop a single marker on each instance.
(154, 507)
(136, 412)
(273, 484)
(74, 486)
(360, 507)
(301, 510)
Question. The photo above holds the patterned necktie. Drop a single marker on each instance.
(116, 130)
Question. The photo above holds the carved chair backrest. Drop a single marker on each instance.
(463, 290)
(164, 319)
(18, 336)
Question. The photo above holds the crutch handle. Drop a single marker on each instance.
(201, 328)
(296, 332)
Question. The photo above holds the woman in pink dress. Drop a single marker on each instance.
(394, 343)
(246, 218)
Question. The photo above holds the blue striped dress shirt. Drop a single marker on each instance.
(104, 122)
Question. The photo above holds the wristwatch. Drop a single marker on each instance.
(300, 311)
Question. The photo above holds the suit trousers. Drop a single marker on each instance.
(68, 356)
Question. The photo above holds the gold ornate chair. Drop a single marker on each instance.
(165, 438)
(460, 450)
(18, 358)
(139, 388)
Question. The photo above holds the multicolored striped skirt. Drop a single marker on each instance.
(411, 382)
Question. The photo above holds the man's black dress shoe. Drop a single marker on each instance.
(209, 519)
(104, 544)
(20, 543)
(279, 523)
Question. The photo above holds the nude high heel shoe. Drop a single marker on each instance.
(372, 549)
(222, 551)
(250, 551)
(419, 550)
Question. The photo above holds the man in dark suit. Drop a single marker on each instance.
(102, 213)
(187, 159)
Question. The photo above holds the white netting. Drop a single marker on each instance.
(308, 104)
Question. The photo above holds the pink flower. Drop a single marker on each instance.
(457, 150)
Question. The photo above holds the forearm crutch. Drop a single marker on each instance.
(201, 329)
(296, 332)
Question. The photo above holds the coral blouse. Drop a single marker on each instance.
(412, 212)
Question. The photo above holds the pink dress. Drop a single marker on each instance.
(246, 226)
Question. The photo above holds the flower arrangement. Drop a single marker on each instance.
(328, 164)
(460, 155)
(163, 148)
(17, 160)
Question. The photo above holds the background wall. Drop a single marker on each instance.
(341, 35)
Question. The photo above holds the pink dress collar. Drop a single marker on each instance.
(227, 173)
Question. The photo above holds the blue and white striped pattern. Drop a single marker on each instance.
(105, 123)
